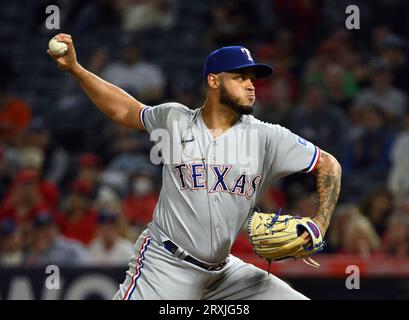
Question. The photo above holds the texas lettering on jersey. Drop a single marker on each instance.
(192, 176)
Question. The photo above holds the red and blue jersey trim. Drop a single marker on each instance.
(138, 269)
(314, 161)
(141, 116)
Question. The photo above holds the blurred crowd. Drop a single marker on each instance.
(73, 198)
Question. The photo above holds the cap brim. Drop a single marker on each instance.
(261, 70)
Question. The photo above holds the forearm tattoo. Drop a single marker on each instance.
(328, 188)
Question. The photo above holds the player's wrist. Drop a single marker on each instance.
(320, 221)
(75, 69)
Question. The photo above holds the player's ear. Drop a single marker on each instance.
(213, 81)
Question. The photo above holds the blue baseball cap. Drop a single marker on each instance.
(233, 58)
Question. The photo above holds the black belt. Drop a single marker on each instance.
(172, 248)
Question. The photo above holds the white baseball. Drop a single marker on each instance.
(57, 48)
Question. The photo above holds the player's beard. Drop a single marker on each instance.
(227, 99)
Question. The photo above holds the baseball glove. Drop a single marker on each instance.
(277, 237)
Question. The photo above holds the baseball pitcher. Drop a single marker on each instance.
(217, 159)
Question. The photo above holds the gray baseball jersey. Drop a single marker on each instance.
(210, 184)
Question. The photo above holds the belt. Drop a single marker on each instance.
(174, 249)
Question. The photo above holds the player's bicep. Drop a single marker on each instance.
(129, 115)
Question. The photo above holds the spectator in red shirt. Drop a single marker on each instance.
(89, 169)
(15, 114)
(25, 198)
(139, 204)
(79, 219)
(32, 158)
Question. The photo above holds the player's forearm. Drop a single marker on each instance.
(111, 100)
(328, 188)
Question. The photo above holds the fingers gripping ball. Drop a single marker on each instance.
(57, 48)
(277, 237)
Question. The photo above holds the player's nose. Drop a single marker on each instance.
(250, 86)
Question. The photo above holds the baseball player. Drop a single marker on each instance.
(184, 253)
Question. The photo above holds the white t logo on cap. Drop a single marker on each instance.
(246, 51)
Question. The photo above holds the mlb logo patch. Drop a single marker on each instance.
(302, 141)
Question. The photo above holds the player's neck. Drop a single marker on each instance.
(217, 116)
